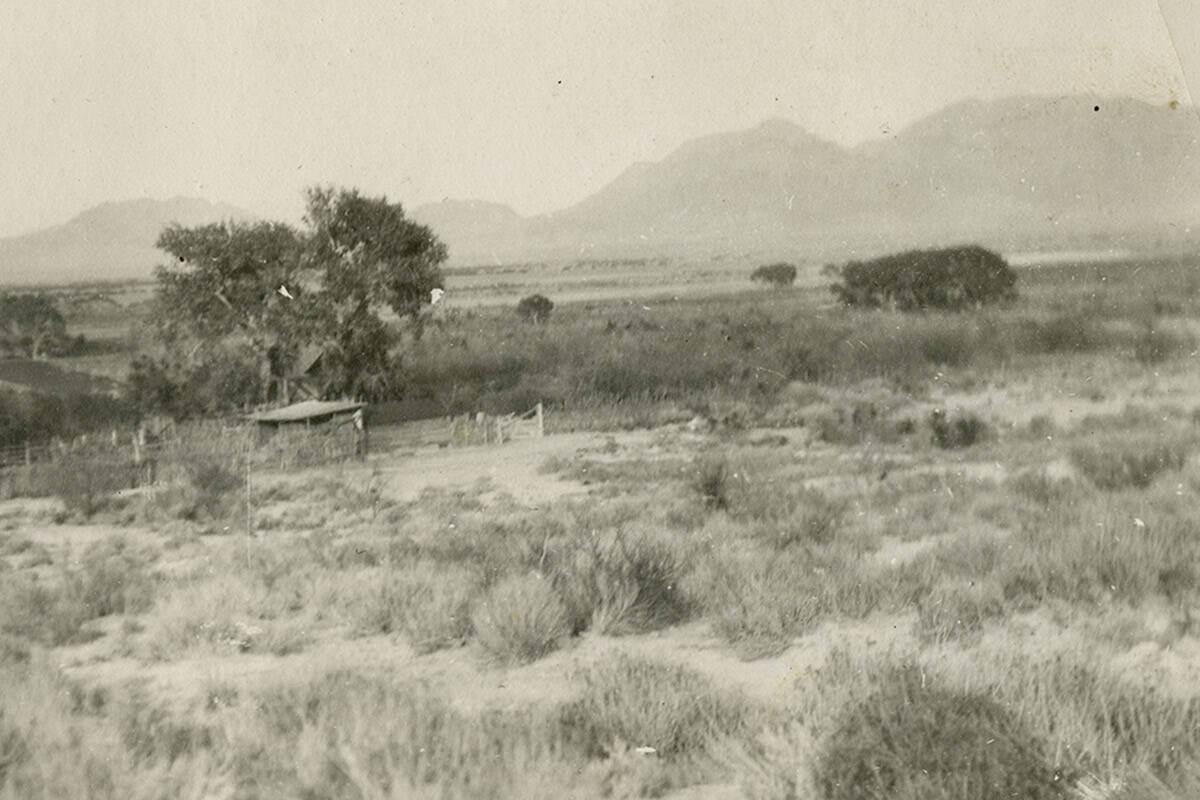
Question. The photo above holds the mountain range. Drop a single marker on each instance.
(1017, 173)
(111, 241)
(1026, 173)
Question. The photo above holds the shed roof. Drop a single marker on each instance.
(307, 410)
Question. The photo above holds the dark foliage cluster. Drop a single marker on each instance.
(220, 384)
(536, 308)
(914, 739)
(953, 279)
(37, 418)
(778, 275)
(31, 326)
(951, 432)
(252, 296)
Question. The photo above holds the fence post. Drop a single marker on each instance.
(541, 421)
(249, 513)
(28, 454)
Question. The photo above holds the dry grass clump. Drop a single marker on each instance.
(1074, 331)
(760, 600)
(1099, 722)
(858, 421)
(915, 740)
(51, 747)
(110, 577)
(429, 603)
(957, 609)
(712, 481)
(614, 582)
(953, 432)
(520, 619)
(1085, 561)
(1130, 459)
(226, 613)
(1044, 491)
(85, 482)
(643, 703)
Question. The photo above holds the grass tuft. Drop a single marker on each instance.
(520, 619)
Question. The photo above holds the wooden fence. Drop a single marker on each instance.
(133, 461)
(462, 431)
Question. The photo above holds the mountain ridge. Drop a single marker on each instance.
(1017, 171)
(1020, 172)
(110, 241)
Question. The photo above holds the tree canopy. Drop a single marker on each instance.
(536, 308)
(259, 292)
(31, 326)
(953, 278)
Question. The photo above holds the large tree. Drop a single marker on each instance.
(272, 289)
(370, 259)
(223, 292)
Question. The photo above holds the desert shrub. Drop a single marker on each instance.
(536, 308)
(963, 429)
(856, 422)
(788, 514)
(1129, 460)
(85, 482)
(430, 604)
(1153, 345)
(345, 735)
(109, 578)
(914, 740)
(31, 609)
(953, 279)
(957, 608)
(779, 275)
(51, 746)
(13, 651)
(760, 601)
(1100, 721)
(1081, 561)
(520, 619)
(945, 345)
(210, 482)
(645, 704)
(817, 521)
(151, 731)
(617, 583)
(712, 481)
(1068, 332)
(1038, 487)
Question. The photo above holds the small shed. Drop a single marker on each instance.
(341, 423)
(308, 412)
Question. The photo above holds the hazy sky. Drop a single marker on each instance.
(535, 104)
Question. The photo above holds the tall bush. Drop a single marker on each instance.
(954, 278)
(777, 275)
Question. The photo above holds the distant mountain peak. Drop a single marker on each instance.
(113, 240)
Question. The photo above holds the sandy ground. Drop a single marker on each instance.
(517, 470)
